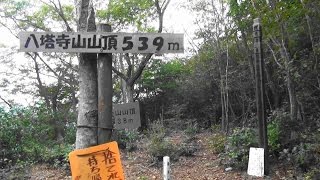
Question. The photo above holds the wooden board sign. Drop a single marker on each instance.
(256, 162)
(97, 163)
(86, 42)
(126, 116)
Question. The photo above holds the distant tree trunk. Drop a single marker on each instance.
(274, 89)
(292, 96)
(287, 68)
(88, 100)
(123, 82)
(132, 74)
(248, 53)
(129, 92)
(226, 92)
(290, 83)
(51, 105)
(308, 20)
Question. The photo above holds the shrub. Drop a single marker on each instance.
(160, 147)
(26, 136)
(58, 155)
(217, 143)
(303, 156)
(237, 147)
(274, 136)
(126, 139)
(192, 129)
(312, 174)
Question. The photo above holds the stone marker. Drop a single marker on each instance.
(256, 162)
(166, 168)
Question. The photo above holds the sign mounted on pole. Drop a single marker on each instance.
(102, 42)
(126, 116)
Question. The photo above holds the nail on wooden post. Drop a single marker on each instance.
(105, 91)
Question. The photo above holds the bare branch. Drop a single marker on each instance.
(119, 74)
(5, 26)
(138, 73)
(9, 104)
(274, 56)
(60, 12)
(165, 3)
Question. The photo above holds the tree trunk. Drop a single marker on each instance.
(88, 86)
(133, 74)
(290, 83)
(129, 92)
(292, 96)
(273, 88)
(88, 102)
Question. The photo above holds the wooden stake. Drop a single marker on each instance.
(166, 168)
(260, 90)
(105, 92)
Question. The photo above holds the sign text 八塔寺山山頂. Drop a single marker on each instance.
(86, 42)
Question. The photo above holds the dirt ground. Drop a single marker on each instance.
(137, 165)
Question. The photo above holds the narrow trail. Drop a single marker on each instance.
(137, 165)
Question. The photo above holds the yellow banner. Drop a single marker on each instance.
(100, 162)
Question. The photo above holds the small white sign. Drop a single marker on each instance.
(126, 116)
(256, 162)
(87, 42)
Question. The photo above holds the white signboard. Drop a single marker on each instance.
(256, 162)
(87, 42)
(126, 116)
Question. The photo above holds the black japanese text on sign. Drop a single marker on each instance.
(127, 116)
(101, 42)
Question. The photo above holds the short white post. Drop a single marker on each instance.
(166, 168)
(256, 162)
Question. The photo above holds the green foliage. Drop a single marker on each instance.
(217, 143)
(304, 156)
(312, 174)
(27, 136)
(127, 139)
(57, 155)
(273, 129)
(42, 16)
(127, 12)
(160, 147)
(164, 77)
(192, 129)
(238, 146)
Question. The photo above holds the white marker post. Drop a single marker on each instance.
(256, 162)
(166, 168)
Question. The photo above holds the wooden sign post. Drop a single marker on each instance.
(105, 92)
(260, 87)
(103, 42)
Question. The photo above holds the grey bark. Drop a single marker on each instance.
(105, 92)
(87, 122)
